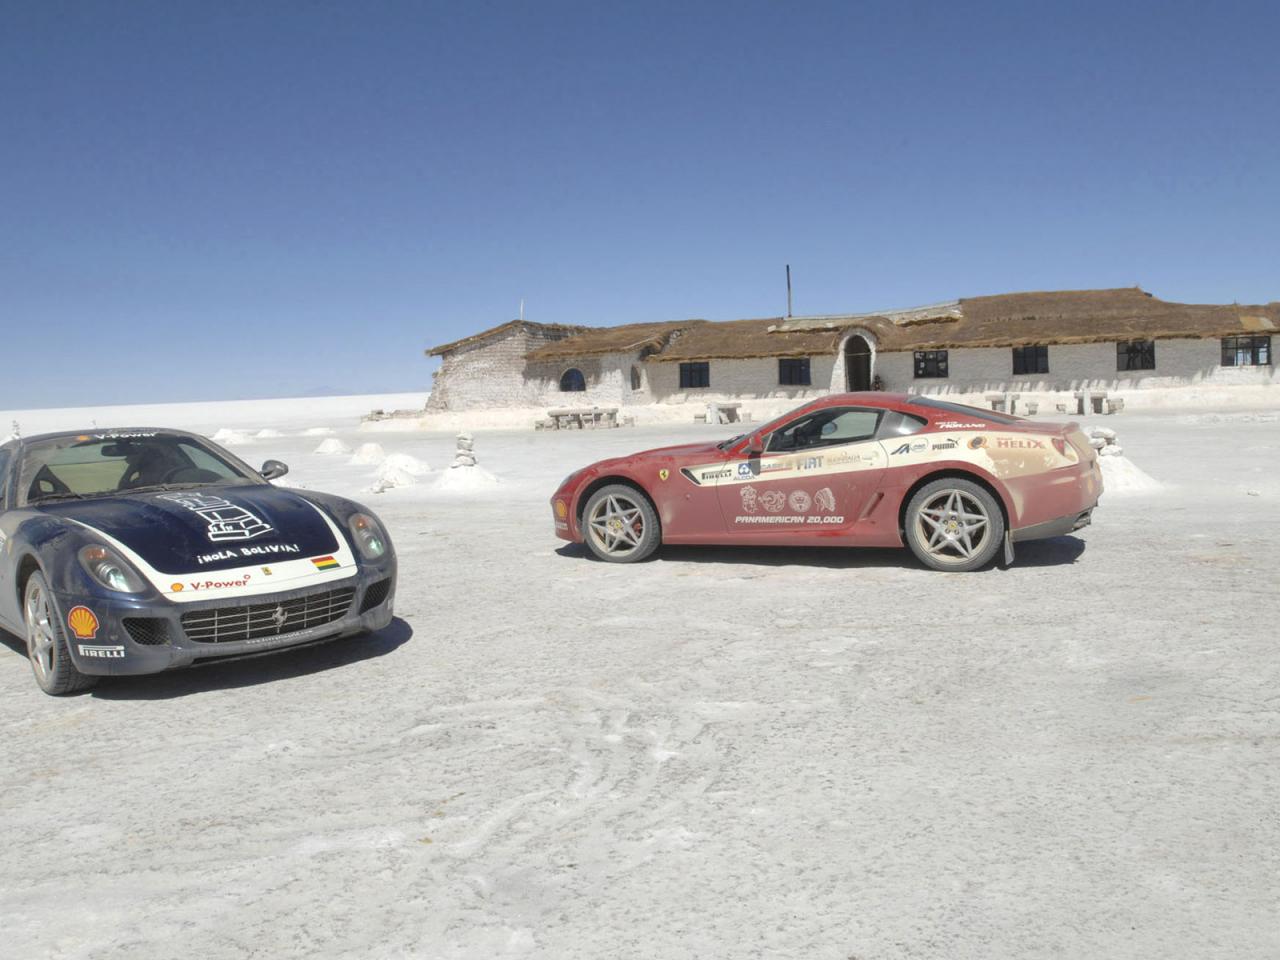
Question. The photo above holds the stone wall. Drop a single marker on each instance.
(490, 373)
(608, 379)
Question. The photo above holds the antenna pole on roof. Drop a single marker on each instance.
(788, 290)
(522, 309)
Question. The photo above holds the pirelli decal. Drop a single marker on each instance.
(868, 455)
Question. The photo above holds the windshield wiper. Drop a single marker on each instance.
(50, 497)
(730, 442)
(151, 487)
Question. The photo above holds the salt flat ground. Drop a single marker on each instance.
(720, 753)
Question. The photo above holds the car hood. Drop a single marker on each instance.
(678, 455)
(208, 529)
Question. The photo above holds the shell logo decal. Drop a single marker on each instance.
(83, 623)
(175, 588)
(977, 443)
(562, 511)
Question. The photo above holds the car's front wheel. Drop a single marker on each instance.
(954, 524)
(620, 525)
(47, 642)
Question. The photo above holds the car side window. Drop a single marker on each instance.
(898, 424)
(826, 428)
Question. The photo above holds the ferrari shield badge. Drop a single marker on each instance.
(663, 474)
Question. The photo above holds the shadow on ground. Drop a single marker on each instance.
(1056, 551)
(280, 665)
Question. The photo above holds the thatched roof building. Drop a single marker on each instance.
(1062, 317)
(648, 338)
(1006, 320)
(503, 329)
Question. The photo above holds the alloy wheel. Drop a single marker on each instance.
(616, 525)
(953, 525)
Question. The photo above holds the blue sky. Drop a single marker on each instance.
(245, 199)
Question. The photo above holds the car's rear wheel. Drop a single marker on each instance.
(620, 525)
(47, 642)
(954, 524)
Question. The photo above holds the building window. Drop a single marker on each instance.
(794, 372)
(1136, 355)
(636, 382)
(573, 381)
(1033, 359)
(695, 375)
(931, 364)
(1246, 351)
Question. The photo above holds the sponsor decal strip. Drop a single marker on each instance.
(1001, 453)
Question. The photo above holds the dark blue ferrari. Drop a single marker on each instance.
(136, 551)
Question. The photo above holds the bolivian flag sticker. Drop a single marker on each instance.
(325, 563)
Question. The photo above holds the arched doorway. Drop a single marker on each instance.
(857, 364)
(572, 381)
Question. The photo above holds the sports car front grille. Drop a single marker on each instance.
(269, 619)
(375, 595)
(148, 631)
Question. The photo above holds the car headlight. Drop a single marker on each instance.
(110, 569)
(368, 536)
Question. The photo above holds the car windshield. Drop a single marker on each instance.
(79, 467)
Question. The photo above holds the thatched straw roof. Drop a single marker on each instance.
(631, 338)
(1066, 316)
(555, 328)
(747, 339)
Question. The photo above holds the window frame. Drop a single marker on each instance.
(637, 379)
(1038, 353)
(1143, 351)
(694, 370)
(937, 360)
(795, 372)
(1258, 345)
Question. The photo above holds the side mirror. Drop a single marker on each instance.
(273, 469)
(754, 446)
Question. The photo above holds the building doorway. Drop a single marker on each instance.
(857, 364)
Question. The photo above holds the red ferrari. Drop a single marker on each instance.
(955, 484)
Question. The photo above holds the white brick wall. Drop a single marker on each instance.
(1091, 365)
(738, 380)
(608, 379)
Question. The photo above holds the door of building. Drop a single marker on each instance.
(857, 364)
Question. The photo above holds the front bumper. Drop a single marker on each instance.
(562, 515)
(116, 650)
